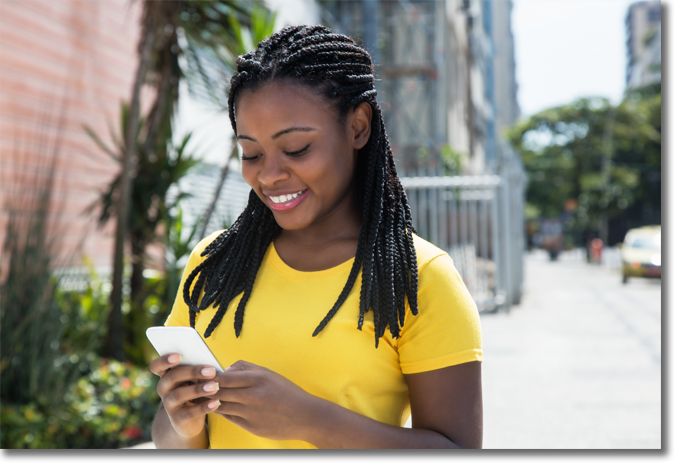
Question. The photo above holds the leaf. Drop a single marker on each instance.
(96, 139)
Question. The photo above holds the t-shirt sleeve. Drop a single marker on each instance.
(180, 313)
(447, 329)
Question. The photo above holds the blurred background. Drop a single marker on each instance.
(527, 135)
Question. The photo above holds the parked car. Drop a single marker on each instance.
(641, 253)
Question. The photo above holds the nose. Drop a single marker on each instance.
(272, 170)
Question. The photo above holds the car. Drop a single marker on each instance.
(641, 253)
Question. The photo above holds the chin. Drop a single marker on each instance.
(288, 222)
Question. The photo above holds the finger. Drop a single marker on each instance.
(239, 378)
(187, 413)
(232, 409)
(234, 395)
(202, 399)
(159, 366)
(176, 376)
(187, 394)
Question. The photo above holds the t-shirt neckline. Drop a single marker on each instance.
(276, 261)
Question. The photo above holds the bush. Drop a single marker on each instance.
(112, 407)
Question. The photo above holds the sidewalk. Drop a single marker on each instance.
(577, 365)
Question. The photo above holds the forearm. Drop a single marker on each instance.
(164, 436)
(332, 426)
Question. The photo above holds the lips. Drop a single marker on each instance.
(286, 201)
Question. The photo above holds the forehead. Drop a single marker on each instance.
(277, 105)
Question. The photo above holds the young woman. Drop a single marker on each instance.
(336, 319)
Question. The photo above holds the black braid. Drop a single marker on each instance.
(341, 71)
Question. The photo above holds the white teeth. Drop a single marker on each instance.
(285, 197)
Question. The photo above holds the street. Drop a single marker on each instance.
(577, 364)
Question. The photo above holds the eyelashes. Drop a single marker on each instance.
(299, 152)
(290, 154)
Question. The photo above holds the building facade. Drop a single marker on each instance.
(446, 77)
(507, 110)
(643, 24)
(64, 66)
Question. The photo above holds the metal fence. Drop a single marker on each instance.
(471, 219)
(477, 220)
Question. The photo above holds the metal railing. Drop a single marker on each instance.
(477, 221)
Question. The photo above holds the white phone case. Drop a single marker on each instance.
(184, 341)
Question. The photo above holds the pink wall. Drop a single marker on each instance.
(73, 57)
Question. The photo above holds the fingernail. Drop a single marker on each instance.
(174, 358)
(213, 404)
(211, 387)
(208, 371)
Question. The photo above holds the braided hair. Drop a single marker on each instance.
(335, 66)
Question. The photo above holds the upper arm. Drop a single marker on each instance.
(440, 352)
(448, 401)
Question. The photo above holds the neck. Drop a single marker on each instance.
(342, 224)
(326, 243)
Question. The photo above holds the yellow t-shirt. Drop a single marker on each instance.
(341, 363)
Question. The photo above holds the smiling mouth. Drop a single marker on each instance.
(285, 198)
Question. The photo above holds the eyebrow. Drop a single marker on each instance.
(302, 129)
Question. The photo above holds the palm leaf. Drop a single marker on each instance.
(96, 139)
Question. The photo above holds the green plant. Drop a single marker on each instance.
(452, 160)
(160, 288)
(157, 171)
(177, 248)
(86, 312)
(111, 407)
(198, 33)
(45, 342)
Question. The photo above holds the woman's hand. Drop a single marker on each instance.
(445, 403)
(183, 390)
(263, 402)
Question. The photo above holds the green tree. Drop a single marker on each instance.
(564, 153)
(201, 35)
(158, 169)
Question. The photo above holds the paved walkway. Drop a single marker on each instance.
(577, 364)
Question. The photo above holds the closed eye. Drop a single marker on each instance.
(244, 157)
(299, 152)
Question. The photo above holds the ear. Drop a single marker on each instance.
(360, 125)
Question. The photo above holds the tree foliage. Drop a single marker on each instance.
(563, 150)
(193, 41)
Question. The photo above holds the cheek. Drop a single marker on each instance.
(249, 174)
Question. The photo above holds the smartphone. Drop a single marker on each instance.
(184, 341)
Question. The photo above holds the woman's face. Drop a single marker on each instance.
(297, 156)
